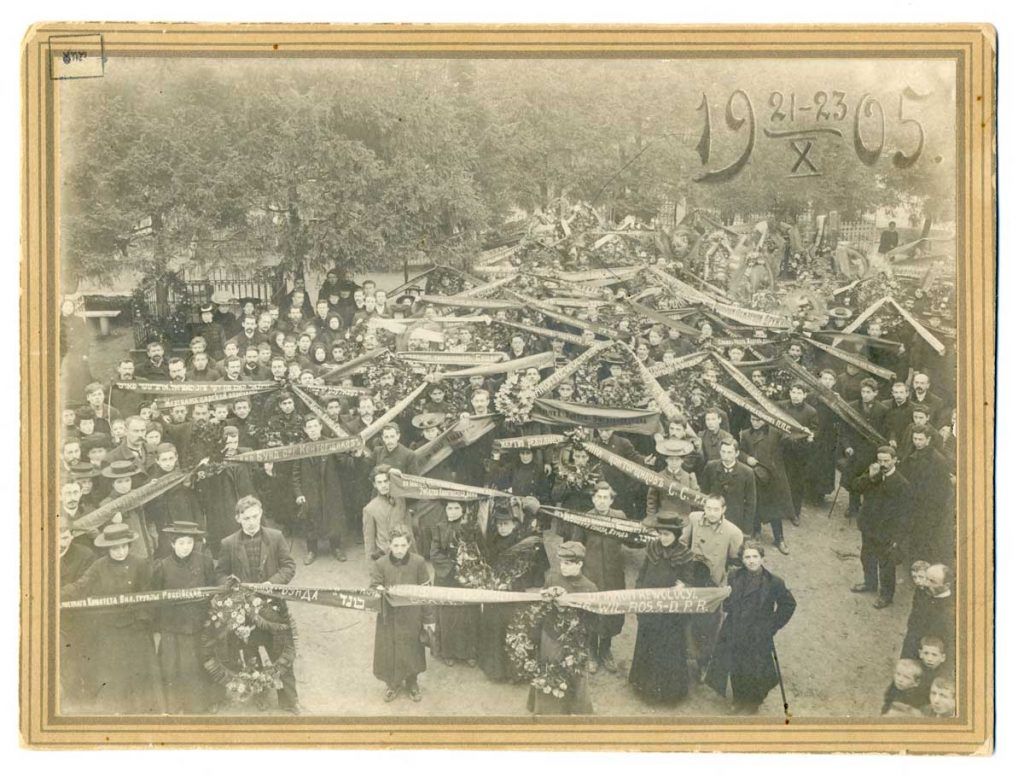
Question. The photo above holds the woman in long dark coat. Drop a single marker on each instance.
(758, 607)
(659, 672)
(497, 545)
(188, 688)
(124, 677)
(761, 446)
(398, 656)
(456, 625)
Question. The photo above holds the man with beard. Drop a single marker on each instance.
(126, 402)
(178, 503)
(154, 368)
(898, 416)
(319, 496)
(176, 370)
(923, 395)
(248, 335)
(252, 370)
(928, 473)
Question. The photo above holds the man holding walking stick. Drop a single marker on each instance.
(758, 607)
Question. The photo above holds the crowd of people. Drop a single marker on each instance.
(738, 476)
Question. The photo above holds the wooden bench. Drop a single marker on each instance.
(104, 317)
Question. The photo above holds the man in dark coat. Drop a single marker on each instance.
(759, 606)
(798, 449)
(761, 446)
(735, 482)
(932, 614)
(630, 496)
(154, 368)
(883, 525)
(928, 471)
(133, 448)
(889, 238)
(219, 491)
(605, 567)
(922, 393)
(126, 402)
(258, 554)
(177, 504)
(319, 494)
(821, 466)
(210, 330)
(898, 416)
(859, 451)
(392, 452)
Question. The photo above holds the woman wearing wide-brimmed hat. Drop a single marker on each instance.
(123, 477)
(187, 685)
(124, 677)
(659, 670)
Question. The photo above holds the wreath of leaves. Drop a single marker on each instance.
(522, 644)
(515, 401)
(232, 618)
(473, 570)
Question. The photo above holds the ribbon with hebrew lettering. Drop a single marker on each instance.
(564, 413)
(413, 486)
(791, 429)
(550, 334)
(464, 432)
(351, 366)
(451, 358)
(850, 358)
(564, 372)
(630, 531)
(750, 387)
(320, 412)
(654, 389)
(836, 403)
(178, 388)
(643, 474)
(537, 361)
(529, 442)
(133, 499)
(300, 450)
(659, 317)
(664, 368)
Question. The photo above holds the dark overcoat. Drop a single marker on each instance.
(123, 676)
(320, 480)
(276, 564)
(218, 494)
(457, 626)
(758, 607)
(398, 654)
(774, 501)
(739, 489)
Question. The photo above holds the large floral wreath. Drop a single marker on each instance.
(522, 644)
(228, 655)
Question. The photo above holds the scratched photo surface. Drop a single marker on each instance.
(483, 387)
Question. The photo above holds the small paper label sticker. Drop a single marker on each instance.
(76, 56)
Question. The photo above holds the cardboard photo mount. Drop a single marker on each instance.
(56, 52)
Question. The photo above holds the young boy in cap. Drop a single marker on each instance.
(568, 578)
(188, 688)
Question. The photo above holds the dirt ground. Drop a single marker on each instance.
(836, 653)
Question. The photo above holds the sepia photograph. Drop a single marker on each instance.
(472, 386)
